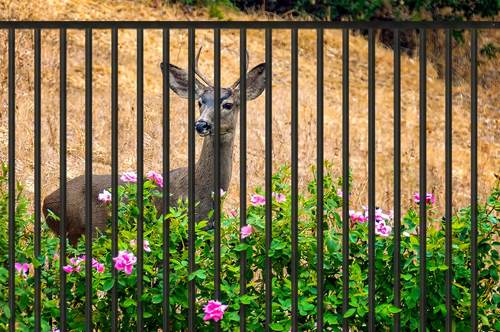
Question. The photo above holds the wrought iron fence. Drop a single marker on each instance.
(191, 27)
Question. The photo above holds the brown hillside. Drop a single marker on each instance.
(489, 112)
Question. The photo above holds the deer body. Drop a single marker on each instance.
(178, 178)
(204, 175)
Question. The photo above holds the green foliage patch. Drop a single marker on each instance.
(253, 248)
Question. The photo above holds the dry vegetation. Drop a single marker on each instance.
(489, 114)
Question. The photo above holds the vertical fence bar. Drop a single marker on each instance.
(295, 174)
(12, 179)
(269, 179)
(88, 179)
(114, 174)
(62, 177)
(397, 179)
(217, 186)
(243, 166)
(473, 180)
(191, 188)
(140, 176)
(448, 180)
(345, 177)
(166, 182)
(319, 176)
(371, 180)
(37, 179)
(423, 178)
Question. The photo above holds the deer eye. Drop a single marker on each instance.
(227, 106)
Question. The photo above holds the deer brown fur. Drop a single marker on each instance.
(204, 171)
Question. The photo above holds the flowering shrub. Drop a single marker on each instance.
(125, 261)
(246, 231)
(250, 241)
(214, 310)
(155, 177)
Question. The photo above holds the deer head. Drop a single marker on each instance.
(229, 103)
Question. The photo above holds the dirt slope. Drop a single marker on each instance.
(489, 112)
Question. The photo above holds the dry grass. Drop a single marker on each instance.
(489, 114)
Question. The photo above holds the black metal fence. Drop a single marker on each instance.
(320, 27)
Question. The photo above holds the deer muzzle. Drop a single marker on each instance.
(203, 128)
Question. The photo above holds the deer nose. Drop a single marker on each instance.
(202, 127)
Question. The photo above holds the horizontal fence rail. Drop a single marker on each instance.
(248, 25)
(217, 184)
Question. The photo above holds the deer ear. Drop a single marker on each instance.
(178, 79)
(256, 81)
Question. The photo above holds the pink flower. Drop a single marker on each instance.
(358, 216)
(22, 268)
(233, 213)
(145, 245)
(125, 261)
(77, 260)
(68, 268)
(257, 200)
(75, 264)
(340, 193)
(214, 310)
(280, 198)
(382, 229)
(381, 216)
(55, 329)
(105, 197)
(246, 231)
(129, 177)
(429, 198)
(156, 178)
(98, 266)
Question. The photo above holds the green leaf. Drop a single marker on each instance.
(330, 244)
(349, 312)
(108, 284)
(200, 274)
(246, 299)
(277, 327)
(306, 306)
(6, 309)
(241, 247)
(393, 309)
(157, 298)
(37, 263)
(330, 318)
(484, 320)
(406, 277)
(128, 303)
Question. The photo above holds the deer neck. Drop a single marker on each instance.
(205, 165)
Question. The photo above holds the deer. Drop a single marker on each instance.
(229, 107)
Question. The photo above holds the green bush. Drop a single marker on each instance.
(254, 249)
(378, 9)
